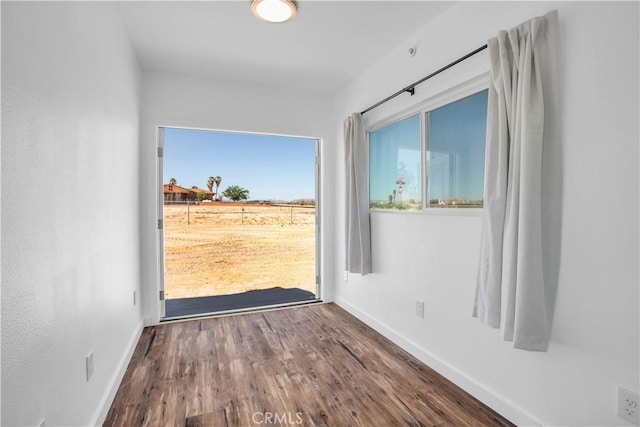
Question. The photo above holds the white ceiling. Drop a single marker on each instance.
(327, 45)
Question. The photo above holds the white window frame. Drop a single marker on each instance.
(446, 97)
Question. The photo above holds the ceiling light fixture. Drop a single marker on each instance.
(277, 11)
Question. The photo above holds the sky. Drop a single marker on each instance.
(270, 167)
(457, 140)
(394, 153)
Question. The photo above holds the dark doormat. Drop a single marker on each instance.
(199, 305)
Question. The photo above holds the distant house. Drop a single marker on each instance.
(207, 194)
(175, 193)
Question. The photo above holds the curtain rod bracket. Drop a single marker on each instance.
(411, 90)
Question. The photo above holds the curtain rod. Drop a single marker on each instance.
(411, 87)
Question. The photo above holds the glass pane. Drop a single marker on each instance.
(395, 165)
(457, 137)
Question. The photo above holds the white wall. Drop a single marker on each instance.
(594, 342)
(172, 100)
(70, 242)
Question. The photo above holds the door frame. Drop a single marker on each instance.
(160, 213)
(160, 219)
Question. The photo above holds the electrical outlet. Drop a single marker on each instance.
(629, 405)
(420, 308)
(346, 275)
(89, 365)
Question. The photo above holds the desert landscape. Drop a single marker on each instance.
(226, 248)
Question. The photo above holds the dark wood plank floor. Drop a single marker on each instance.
(313, 365)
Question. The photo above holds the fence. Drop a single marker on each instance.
(197, 212)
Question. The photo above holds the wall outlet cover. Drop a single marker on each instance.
(629, 405)
(420, 308)
(89, 365)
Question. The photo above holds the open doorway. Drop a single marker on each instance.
(239, 221)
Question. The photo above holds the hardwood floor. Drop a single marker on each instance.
(314, 365)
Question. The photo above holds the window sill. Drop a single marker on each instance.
(473, 212)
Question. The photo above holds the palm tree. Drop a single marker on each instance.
(210, 182)
(173, 181)
(236, 193)
(217, 180)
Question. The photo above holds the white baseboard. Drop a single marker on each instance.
(498, 403)
(106, 401)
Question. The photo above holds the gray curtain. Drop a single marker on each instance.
(358, 234)
(519, 247)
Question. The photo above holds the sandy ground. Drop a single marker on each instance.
(223, 252)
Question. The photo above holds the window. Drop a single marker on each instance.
(395, 154)
(454, 142)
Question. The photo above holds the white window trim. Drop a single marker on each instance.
(448, 96)
(433, 211)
